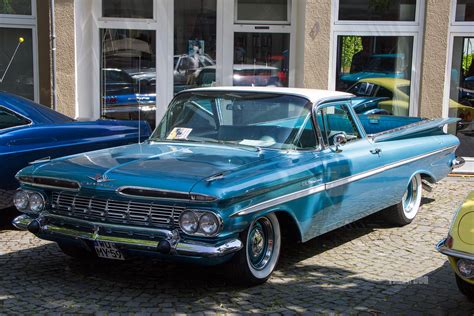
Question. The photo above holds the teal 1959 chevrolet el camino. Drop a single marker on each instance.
(228, 171)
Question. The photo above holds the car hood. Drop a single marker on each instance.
(164, 166)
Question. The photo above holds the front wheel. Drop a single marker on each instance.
(466, 288)
(255, 262)
(405, 211)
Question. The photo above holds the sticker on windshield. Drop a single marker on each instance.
(179, 133)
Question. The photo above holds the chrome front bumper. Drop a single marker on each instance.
(442, 248)
(54, 227)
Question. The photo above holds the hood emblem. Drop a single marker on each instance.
(100, 178)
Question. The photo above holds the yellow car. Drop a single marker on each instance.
(459, 247)
(397, 92)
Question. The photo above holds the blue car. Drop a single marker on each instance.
(29, 131)
(229, 172)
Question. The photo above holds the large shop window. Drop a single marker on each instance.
(194, 44)
(378, 70)
(461, 102)
(465, 11)
(373, 10)
(133, 9)
(16, 62)
(128, 77)
(16, 7)
(261, 59)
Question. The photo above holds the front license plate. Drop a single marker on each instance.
(107, 250)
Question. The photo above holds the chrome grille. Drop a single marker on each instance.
(115, 211)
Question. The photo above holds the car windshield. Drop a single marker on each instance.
(239, 118)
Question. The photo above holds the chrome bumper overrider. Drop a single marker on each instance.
(165, 241)
(442, 248)
(457, 162)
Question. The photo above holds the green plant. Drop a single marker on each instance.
(350, 46)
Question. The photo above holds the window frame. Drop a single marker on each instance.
(414, 29)
(5, 17)
(125, 19)
(452, 16)
(418, 7)
(264, 22)
(15, 21)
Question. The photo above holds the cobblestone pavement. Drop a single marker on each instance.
(365, 268)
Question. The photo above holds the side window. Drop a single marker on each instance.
(306, 138)
(382, 92)
(9, 119)
(335, 119)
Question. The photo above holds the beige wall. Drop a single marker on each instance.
(65, 57)
(317, 43)
(435, 44)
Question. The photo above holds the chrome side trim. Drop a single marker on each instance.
(280, 200)
(189, 195)
(46, 186)
(442, 248)
(183, 248)
(334, 184)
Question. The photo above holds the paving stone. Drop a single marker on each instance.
(363, 268)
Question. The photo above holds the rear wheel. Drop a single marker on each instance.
(465, 288)
(405, 211)
(255, 262)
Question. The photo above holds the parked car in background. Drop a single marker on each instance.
(459, 246)
(378, 66)
(230, 170)
(243, 75)
(29, 131)
(397, 97)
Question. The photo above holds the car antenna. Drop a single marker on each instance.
(138, 98)
(20, 41)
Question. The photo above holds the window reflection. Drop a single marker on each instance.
(194, 43)
(378, 70)
(370, 10)
(19, 7)
(261, 59)
(465, 10)
(128, 80)
(263, 11)
(18, 77)
(134, 9)
(461, 102)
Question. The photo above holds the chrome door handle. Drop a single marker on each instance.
(376, 151)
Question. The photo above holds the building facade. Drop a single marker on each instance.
(126, 59)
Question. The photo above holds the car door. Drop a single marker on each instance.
(351, 191)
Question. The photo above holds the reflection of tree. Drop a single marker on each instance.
(379, 6)
(350, 46)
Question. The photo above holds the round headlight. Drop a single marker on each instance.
(20, 200)
(36, 202)
(466, 268)
(209, 224)
(189, 222)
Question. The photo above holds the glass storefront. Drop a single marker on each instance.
(128, 76)
(17, 7)
(261, 59)
(461, 102)
(194, 44)
(465, 10)
(16, 62)
(377, 69)
(370, 10)
(135, 9)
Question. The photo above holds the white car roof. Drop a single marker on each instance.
(313, 95)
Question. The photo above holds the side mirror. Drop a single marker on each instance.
(339, 140)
